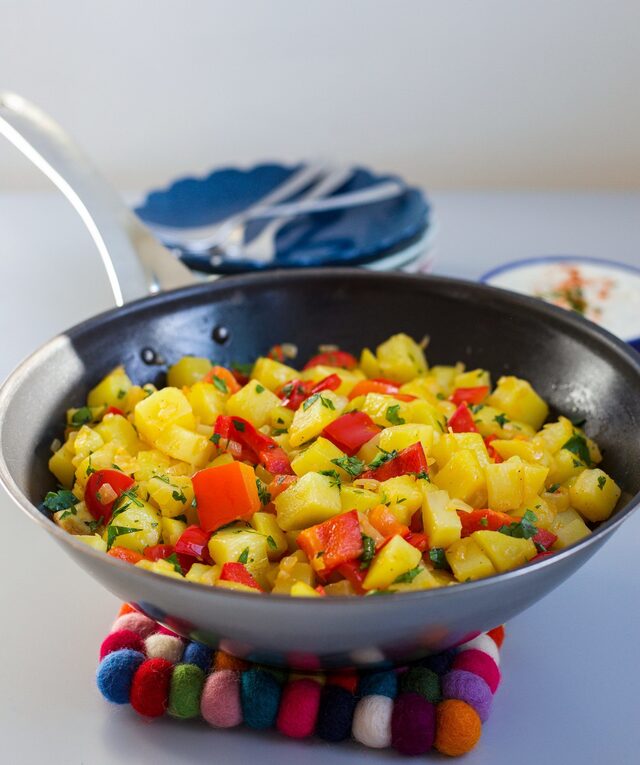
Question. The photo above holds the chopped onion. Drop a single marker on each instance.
(328, 348)
(367, 483)
(105, 494)
(234, 448)
(55, 444)
(289, 350)
(458, 504)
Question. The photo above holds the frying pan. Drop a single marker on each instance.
(581, 370)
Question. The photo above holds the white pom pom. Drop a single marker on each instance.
(161, 646)
(372, 721)
(485, 644)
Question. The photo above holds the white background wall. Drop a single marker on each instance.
(451, 93)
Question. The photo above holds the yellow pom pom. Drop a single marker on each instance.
(458, 728)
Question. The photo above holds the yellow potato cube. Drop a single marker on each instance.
(111, 390)
(402, 495)
(150, 462)
(103, 458)
(544, 512)
(559, 499)
(162, 567)
(203, 574)
(266, 524)
(569, 528)
(554, 435)
(401, 359)
(369, 364)
(93, 540)
(353, 498)
(594, 495)
(314, 415)
(468, 561)
(168, 406)
(116, 428)
(253, 402)
(318, 457)
(398, 437)
(529, 451)
(303, 590)
(272, 374)
(187, 371)
(439, 519)
(492, 422)
(293, 568)
(280, 418)
(424, 580)
(348, 377)
(74, 520)
(463, 477)
(565, 465)
(505, 484)
(85, 443)
(135, 526)
(503, 551)
(62, 467)
(534, 479)
(370, 450)
(423, 387)
(242, 545)
(185, 445)
(207, 402)
(519, 401)
(171, 530)
(312, 499)
(386, 410)
(394, 559)
(474, 378)
(445, 376)
(450, 443)
(172, 494)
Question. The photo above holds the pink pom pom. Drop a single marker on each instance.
(138, 623)
(220, 701)
(480, 664)
(121, 639)
(299, 708)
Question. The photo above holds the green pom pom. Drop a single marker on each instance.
(423, 681)
(186, 688)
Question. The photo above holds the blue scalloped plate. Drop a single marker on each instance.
(355, 236)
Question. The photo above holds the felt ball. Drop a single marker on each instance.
(346, 680)
(220, 701)
(497, 635)
(378, 684)
(372, 721)
(198, 654)
(115, 674)
(160, 646)
(413, 724)
(423, 681)
(150, 687)
(480, 664)
(185, 691)
(138, 623)
(439, 662)
(470, 688)
(299, 708)
(126, 608)
(482, 643)
(121, 639)
(260, 698)
(458, 728)
(227, 661)
(335, 714)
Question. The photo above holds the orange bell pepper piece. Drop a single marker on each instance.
(384, 521)
(225, 493)
(332, 542)
(225, 376)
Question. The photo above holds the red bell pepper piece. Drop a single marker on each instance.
(545, 539)
(194, 542)
(119, 482)
(419, 540)
(158, 552)
(492, 452)
(320, 590)
(333, 359)
(461, 421)
(373, 386)
(409, 460)
(541, 555)
(123, 553)
(416, 521)
(333, 542)
(294, 393)
(350, 431)
(352, 572)
(237, 572)
(469, 395)
(483, 520)
(113, 410)
(277, 354)
(259, 448)
(279, 484)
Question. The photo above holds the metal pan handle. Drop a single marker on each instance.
(135, 262)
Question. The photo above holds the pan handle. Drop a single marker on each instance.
(135, 262)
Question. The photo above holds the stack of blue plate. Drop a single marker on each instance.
(390, 234)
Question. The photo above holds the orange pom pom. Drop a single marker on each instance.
(497, 633)
(125, 608)
(458, 728)
(227, 661)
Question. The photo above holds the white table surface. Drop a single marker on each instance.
(570, 663)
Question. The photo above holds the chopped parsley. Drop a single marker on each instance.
(501, 419)
(408, 576)
(220, 384)
(259, 388)
(81, 416)
(335, 477)
(131, 494)
(393, 415)
(424, 475)
(484, 522)
(264, 495)
(368, 551)
(244, 556)
(122, 393)
(577, 445)
(173, 559)
(327, 403)
(272, 542)
(310, 401)
(602, 479)
(441, 396)
(178, 495)
(475, 408)
(93, 525)
(238, 425)
(351, 465)
(553, 488)
(60, 500)
(113, 532)
(280, 431)
(243, 369)
(90, 469)
(438, 558)
(522, 529)
(215, 438)
(383, 457)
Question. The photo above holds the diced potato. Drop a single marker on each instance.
(370, 450)
(565, 465)
(142, 517)
(272, 374)
(348, 377)
(103, 458)
(402, 495)
(394, 559)
(314, 416)
(303, 590)
(544, 512)
(519, 401)
(594, 495)
(74, 520)
(559, 499)
(85, 443)
(385, 410)
(62, 467)
(171, 494)
(421, 411)
(318, 458)
(266, 524)
(445, 376)
(222, 459)
(171, 530)
(468, 561)
(463, 477)
(280, 418)
(401, 359)
(111, 390)
(492, 422)
(235, 544)
(423, 387)
(187, 371)
(352, 498)
(569, 528)
(168, 406)
(93, 540)
(185, 445)
(450, 443)
(505, 484)
(293, 568)
(253, 402)
(474, 378)
(203, 574)
(503, 551)
(554, 435)
(529, 451)
(398, 437)
(162, 567)
(369, 364)
(534, 479)
(340, 589)
(439, 519)
(150, 462)
(135, 394)
(207, 402)
(116, 428)
(312, 499)
(424, 580)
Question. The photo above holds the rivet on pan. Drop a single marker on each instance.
(220, 334)
(148, 355)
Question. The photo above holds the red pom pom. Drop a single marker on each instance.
(121, 639)
(497, 633)
(150, 687)
(480, 664)
(299, 708)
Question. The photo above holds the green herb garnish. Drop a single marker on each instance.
(351, 465)
(383, 457)
(239, 425)
(220, 384)
(334, 476)
(173, 559)
(553, 488)
(310, 401)
(113, 532)
(178, 496)
(522, 529)
(601, 481)
(81, 416)
(60, 500)
(408, 576)
(438, 558)
(577, 444)
(244, 556)
(272, 542)
(264, 495)
(259, 388)
(501, 419)
(368, 551)
(327, 403)
(243, 369)
(215, 438)
(393, 415)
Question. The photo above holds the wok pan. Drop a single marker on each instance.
(581, 370)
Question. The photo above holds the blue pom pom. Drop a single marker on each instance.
(439, 662)
(260, 698)
(115, 674)
(198, 654)
(335, 714)
(378, 684)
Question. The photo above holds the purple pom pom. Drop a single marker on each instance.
(469, 687)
